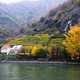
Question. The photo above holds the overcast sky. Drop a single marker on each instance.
(15, 1)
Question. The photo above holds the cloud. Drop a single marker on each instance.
(10, 1)
(14, 1)
(34, 0)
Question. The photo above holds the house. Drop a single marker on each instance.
(7, 49)
(17, 48)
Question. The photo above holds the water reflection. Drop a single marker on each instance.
(39, 72)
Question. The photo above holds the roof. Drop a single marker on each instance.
(6, 46)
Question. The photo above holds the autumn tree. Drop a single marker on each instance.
(38, 52)
(72, 42)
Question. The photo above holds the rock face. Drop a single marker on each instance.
(59, 19)
(16, 17)
(3, 34)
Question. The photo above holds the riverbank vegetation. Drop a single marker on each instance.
(48, 46)
(72, 42)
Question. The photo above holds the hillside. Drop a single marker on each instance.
(60, 19)
(24, 20)
(17, 17)
(4, 34)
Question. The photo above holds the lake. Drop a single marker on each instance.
(23, 71)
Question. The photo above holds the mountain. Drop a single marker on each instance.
(34, 18)
(24, 12)
(59, 19)
(4, 34)
(19, 15)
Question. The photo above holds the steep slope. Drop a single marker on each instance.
(17, 17)
(26, 11)
(8, 22)
(58, 20)
(4, 34)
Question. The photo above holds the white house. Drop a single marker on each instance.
(11, 50)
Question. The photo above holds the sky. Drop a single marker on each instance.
(15, 1)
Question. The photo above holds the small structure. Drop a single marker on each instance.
(69, 24)
(7, 49)
(17, 49)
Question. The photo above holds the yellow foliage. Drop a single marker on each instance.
(34, 49)
(28, 49)
(29, 40)
(39, 52)
(49, 51)
(72, 41)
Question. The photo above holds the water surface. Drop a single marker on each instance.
(9, 71)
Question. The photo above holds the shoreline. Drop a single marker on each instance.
(41, 62)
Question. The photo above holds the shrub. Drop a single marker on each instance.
(2, 57)
(28, 49)
(38, 52)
